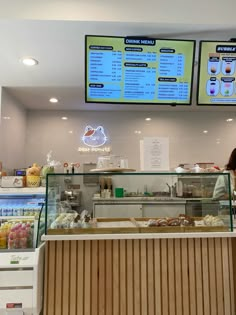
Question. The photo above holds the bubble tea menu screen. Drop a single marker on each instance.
(217, 72)
(138, 70)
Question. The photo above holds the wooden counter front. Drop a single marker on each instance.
(167, 276)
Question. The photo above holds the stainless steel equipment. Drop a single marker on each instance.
(73, 197)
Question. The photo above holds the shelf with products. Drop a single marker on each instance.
(19, 213)
(21, 202)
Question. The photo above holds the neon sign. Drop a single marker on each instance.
(94, 140)
(86, 149)
(94, 137)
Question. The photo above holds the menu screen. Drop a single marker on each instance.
(216, 74)
(138, 70)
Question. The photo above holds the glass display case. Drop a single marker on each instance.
(137, 202)
(19, 218)
(21, 250)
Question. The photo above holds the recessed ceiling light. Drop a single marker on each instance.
(148, 118)
(138, 132)
(64, 118)
(229, 119)
(6, 117)
(70, 131)
(53, 100)
(205, 131)
(28, 61)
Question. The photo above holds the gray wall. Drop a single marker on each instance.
(12, 132)
(47, 131)
(27, 137)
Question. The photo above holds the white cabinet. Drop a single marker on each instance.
(118, 210)
(163, 210)
(137, 210)
(21, 281)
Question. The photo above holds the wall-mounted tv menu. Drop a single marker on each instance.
(138, 70)
(217, 73)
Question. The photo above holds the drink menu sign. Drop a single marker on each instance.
(138, 70)
(217, 72)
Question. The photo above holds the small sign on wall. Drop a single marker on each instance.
(154, 154)
(90, 179)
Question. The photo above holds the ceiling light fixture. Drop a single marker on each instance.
(64, 118)
(229, 119)
(53, 100)
(148, 119)
(6, 117)
(28, 61)
(205, 131)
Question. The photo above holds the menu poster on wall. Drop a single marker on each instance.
(154, 154)
(217, 73)
(138, 70)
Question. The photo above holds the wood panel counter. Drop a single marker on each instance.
(140, 274)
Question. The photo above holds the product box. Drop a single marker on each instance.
(12, 181)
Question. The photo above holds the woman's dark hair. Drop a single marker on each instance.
(231, 165)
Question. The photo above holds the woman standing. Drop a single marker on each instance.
(221, 189)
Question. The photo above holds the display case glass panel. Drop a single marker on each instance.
(138, 202)
(19, 220)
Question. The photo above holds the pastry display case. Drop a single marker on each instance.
(136, 202)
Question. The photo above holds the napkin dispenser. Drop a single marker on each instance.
(12, 181)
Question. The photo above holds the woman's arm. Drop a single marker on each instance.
(220, 190)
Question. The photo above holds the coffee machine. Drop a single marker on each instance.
(73, 197)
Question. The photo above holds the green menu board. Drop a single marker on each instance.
(138, 70)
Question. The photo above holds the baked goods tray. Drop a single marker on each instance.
(144, 228)
(131, 225)
(102, 226)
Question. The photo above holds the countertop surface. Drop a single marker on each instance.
(149, 199)
(128, 236)
(22, 190)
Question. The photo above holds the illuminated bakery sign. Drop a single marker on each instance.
(94, 140)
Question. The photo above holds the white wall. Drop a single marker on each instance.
(155, 11)
(47, 131)
(12, 132)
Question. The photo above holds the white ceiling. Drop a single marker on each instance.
(59, 48)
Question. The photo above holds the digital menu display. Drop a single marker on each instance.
(216, 73)
(138, 70)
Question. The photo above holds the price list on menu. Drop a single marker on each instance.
(139, 77)
(105, 70)
(172, 67)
